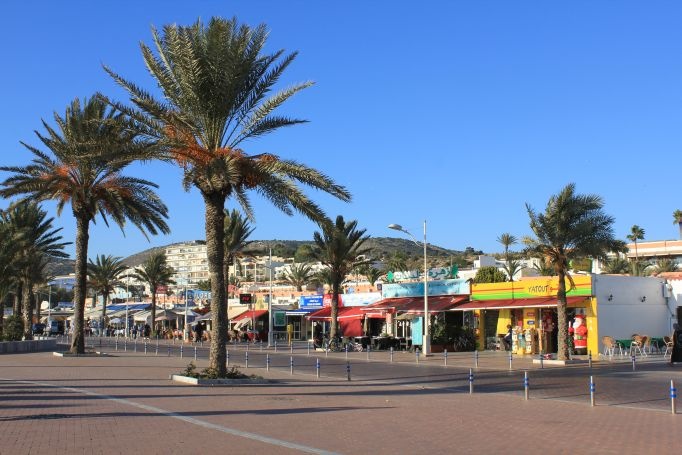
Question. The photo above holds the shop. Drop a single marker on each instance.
(529, 307)
(254, 323)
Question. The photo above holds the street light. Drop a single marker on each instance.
(270, 301)
(426, 342)
(186, 329)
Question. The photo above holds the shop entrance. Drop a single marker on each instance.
(549, 330)
(490, 329)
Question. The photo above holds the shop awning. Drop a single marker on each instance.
(415, 305)
(542, 302)
(350, 312)
(251, 314)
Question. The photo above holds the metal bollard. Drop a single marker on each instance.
(247, 345)
(181, 352)
(589, 358)
(291, 365)
(317, 367)
(391, 354)
(592, 390)
(633, 358)
(227, 358)
(246, 359)
(445, 357)
(476, 359)
(348, 369)
(125, 345)
(416, 353)
(291, 347)
(525, 384)
(673, 396)
(169, 348)
(145, 347)
(345, 347)
(195, 353)
(471, 381)
(157, 348)
(369, 351)
(261, 345)
(275, 345)
(511, 357)
(542, 361)
(267, 362)
(135, 345)
(308, 347)
(116, 344)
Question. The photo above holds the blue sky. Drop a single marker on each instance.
(454, 112)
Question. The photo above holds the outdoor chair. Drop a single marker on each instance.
(637, 345)
(610, 346)
(668, 346)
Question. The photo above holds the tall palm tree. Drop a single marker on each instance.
(8, 250)
(103, 278)
(298, 275)
(92, 145)
(237, 231)
(36, 241)
(636, 233)
(339, 247)
(371, 273)
(511, 265)
(216, 83)
(572, 226)
(156, 272)
(677, 219)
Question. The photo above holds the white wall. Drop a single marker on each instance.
(626, 314)
(675, 292)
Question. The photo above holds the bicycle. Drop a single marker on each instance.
(334, 344)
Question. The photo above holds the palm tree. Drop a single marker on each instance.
(397, 262)
(103, 278)
(663, 265)
(324, 277)
(636, 233)
(572, 226)
(8, 250)
(35, 241)
(156, 272)
(677, 219)
(298, 275)
(237, 231)
(511, 266)
(371, 273)
(617, 266)
(339, 247)
(216, 85)
(91, 146)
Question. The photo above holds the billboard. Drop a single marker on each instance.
(310, 301)
(437, 287)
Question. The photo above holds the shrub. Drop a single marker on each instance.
(14, 328)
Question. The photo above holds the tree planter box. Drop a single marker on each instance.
(212, 382)
(86, 354)
(559, 362)
(10, 347)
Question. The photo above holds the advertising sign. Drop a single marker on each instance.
(245, 299)
(280, 319)
(438, 287)
(360, 298)
(531, 288)
(311, 301)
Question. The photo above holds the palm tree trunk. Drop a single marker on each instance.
(28, 310)
(215, 249)
(2, 316)
(102, 325)
(334, 326)
(154, 331)
(16, 307)
(562, 323)
(79, 290)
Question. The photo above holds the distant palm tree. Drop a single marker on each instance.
(572, 226)
(92, 146)
(103, 278)
(36, 242)
(511, 266)
(397, 262)
(324, 277)
(663, 265)
(371, 273)
(677, 219)
(636, 233)
(8, 250)
(617, 266)
(237, 232)
(298, 275)
(216, 84)
(339, 247)
(155, 272)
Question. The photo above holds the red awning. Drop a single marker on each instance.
(415, 305)
(255, 314)
(349, 312)
(541, 302)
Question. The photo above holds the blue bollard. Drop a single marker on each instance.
(317, 367)
(476, 359)
(348, 369)
(673, 397)
(416, 353)
(181, 352)
(227, 358)
(592, 390)
(391, 354)
(526, 384)
(291, 365)
(246, 359)
(445, 357)
(267, 362)
(195, 353)
(471, 381)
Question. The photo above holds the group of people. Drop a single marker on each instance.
(144, 331)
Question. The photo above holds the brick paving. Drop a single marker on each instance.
(126, 404)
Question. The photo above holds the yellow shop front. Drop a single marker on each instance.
(529, 306)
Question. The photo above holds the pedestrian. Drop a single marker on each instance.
(147, 330)
(507, 339)
(198, 332)
(134, 332)
(676, 355)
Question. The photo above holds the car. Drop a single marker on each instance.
(38, 328)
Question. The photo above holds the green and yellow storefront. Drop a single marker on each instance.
(530, 307)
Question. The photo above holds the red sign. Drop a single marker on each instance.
(327, 300)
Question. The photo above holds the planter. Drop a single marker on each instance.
(11, 347)
(86, 354)
(214, 382)
(438, 348)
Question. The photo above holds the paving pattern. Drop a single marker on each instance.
(125, 403)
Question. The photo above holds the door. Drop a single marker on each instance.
(297, 328)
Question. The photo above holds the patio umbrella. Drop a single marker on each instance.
(116, 320)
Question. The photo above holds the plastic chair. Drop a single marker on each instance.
(610, 346)
(668, 346)
(637, 345)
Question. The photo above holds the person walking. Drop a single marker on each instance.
(676, 355)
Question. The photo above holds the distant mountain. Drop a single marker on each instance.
(382, 248)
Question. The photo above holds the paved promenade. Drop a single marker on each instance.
(125, 403)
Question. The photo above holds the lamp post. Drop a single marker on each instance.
(186, 329)
(426, 339)
(127, 296)
(270, 300)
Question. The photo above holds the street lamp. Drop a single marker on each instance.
(127, 296)
(270, 301)
(186, 329)
(426, 341)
